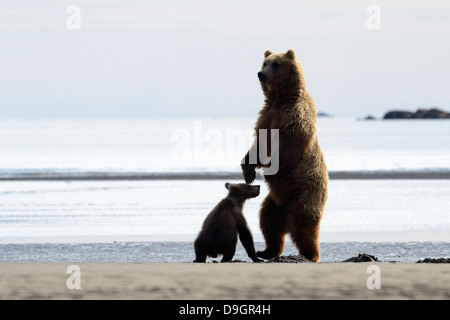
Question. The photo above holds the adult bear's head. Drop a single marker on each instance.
(281, 71)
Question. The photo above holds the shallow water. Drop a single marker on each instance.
(174, 210)
(140, 252)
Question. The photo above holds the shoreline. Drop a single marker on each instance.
(142, 176)
(183, 252)
(231, 281)
(330, 236)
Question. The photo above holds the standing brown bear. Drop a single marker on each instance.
(298, 191)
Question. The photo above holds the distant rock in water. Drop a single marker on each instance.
(419, 114)
(368, 117)
(324, 114)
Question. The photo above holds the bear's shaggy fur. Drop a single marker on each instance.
(299, 190)
(223, 224)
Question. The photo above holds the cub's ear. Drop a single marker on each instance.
(290, 54)
(267, 53)
(227, 185)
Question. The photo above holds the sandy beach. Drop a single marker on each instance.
(233, 281)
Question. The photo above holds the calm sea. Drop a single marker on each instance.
(199, 145)
(65, 182)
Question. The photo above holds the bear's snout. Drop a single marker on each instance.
(256, 190)
(262, 76)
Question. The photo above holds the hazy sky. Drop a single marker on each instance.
(200, 58)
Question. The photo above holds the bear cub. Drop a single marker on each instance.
(221, 227)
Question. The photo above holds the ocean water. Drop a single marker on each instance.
(202, 145)
(50, 219)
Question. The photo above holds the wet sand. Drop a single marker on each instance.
(234, 281)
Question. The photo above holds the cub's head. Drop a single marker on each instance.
(242, 190)
(280, 69)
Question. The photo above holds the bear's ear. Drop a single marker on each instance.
(267, 53)
(290, 54)
(231, 187)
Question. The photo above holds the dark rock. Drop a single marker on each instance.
(434, 260)
(432, 113)
(435, 114)
(238, 261)
(362, 258)
(398, 115)
(288, 259)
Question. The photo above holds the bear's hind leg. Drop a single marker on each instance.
(228, 255)
(200, 258)
(200, 250)
(200, 255)
(306, 239)
(273, 227)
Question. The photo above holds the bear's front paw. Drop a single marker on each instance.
(265, 255)
(249, 173)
